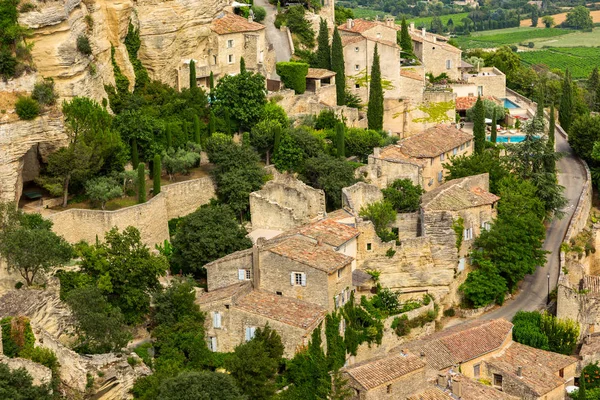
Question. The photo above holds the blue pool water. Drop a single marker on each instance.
(509, 139)
(510, 104)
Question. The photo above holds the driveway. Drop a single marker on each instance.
(534, 289)
(275, 37)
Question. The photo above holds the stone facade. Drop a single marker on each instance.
(436, 54)
(382, 172)
(399, 388)
(488, 81)
(284, 203)
(151, 218)
(359, 195)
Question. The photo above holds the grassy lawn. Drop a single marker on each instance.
(501, 37)
(579, 60)
(573, 39)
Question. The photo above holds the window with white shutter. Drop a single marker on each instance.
(250, 330)
(241, 274)
(217, 320)
(303, 283)
(212, 343)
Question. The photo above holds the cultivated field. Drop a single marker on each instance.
(370, 13)
(501, 37)
(579, 60)
(560, 18)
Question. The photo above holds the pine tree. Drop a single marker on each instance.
(135, 159)
(141, 169)
(169, 136)
(193, 83)
(211, 86)
(552, 125)
(337, 66)
(156, 174)
(340, 139)
(479, 126)
(197, 135)
(565, 115)
(323, 56)
(242, 65)
(211, 123)
(494, 134)
(406, 42)
(375, 110)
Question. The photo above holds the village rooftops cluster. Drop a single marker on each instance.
(227, 22)
(464, 103)
(457, 194)
(380, 371)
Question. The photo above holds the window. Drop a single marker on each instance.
(356, 67)
(442, 156)
(215, 60)
(230, 58)
(368, 246)
(480, 90)
(230, 43)
(468, 234)
(476, 370)
(389, 388)
(212, 343)
(339, 272)
(561, 372)
(298, 279)
(378, 35)
(462, 146)
(336, 301)
(498, 380)
(448, 64)
(486, 226)
(356, 49)
(356, 86)
(455, 151)
(250, 330)
(342, 326)
(243, 274)
(217, 320)
(279, 293)
(440, 176)
(461, 264)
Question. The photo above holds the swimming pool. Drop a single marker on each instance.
(510, 104)
(509, 139)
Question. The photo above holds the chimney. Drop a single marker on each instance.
(256, 266)
(376, 151)
(520, 372)
(441, 380)
(319, 242)
(390, 22)
(434, 39)
(412, 26)
(456, 388)
(423, 32)
(349, 23)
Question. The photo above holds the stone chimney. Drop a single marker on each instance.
(423, 32)
(456, 388)
(256, 266)
(377, 151)
(520, 372)
(412, 26)
(390, 22)
(441, 380)
(349, 23)
(434, 39)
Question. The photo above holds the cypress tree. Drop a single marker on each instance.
(405, 41)
(581, 395)
(551, 126)
(375, 110)
(479, 126)
(211, 86)
(337, 66)
(323, 56)
(135, 159)
(593, 80)
(184, 126)
(211, 123)
(494, 134)
(193, 83)
(197, 135)
(340, 139)
(242, 65)
(141, 168)
(156, 174)
(169, 136)
(539, 112)
(565, 114)
(276, 137)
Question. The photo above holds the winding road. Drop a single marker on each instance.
(275, 37)
(534, 289)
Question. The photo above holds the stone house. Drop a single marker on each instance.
(456, 386)
(489, 81)
(231, 37)
(580, 301)
(233, 314)
(435, 53)
(418, 157)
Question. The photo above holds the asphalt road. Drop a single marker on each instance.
(534, 289)
(274, 36)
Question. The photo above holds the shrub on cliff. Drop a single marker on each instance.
(44, 92)
(83, 45)
(27, 108)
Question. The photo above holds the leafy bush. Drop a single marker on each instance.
(18, 285)
(591, 372)
(259, 13)
(27, 108)
(449, 312)
(17, 336)
(402, 325)
(83, 45)
(180, 161)
(293, 75)
(382, 214)
(326, 120)
(44, 92)
(545, 331)
(300, 26)
(404, 195)
(26, 7)
(103, 189)
(8, 63)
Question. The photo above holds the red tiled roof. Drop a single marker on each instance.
(347, 39)
(411, 74)
(539, 368)
(461, 343)
(457, 195)
(286, 310)
(315, 256)
(359, 26)
(464, 103)
(373, 373)
(417, 37)
(470, 390)
(221, 293)
(329, 231)
(319, 73)
(431, 143)
(339, 214)
(231, 23)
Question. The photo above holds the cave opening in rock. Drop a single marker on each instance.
(31, 195)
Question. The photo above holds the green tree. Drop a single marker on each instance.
(135, 158)
(193, 82)
(200, 385)
(180, 161)
(361, 142)
(169, 133)
(211, 123)
(406, 41)
(262, 137)
(548, 21)
(28, 245)
(382, 214)
(125, 270)
(157, 169)
(506, 61)
(323, 56)
(242, 65)
(494, 134)
(197, 134)
(534, 17)
(103, 189)
(581, 394)
(27, 108)
(244, 96)
(436, 25)
(330, 174)
(545, 331)
(141, 181)
(565, 115)
(289, 156)
(336, 349)
(483, 285)
(211, 87)
(403, 195)
(375, 110)
(552, 126)
(340, 140)
(100, 326)
(337, 65)
(18, 385)
(209, 233)
(579, 18)
(585, 131)
(479, 126)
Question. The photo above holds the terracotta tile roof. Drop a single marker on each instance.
(289, 311)
(329, 231)
(461, 343)
(376, 372)
(319, 73)
(232, 256)
(464, 103)
(539, 368)
(470, 389)
(592, 284)
(347, 39)
(431, 143)
(417, 37)
(230, 23)
(339, 214)
(222, 293)
(305, 252)
(411, 74)
(359, 26)
(590, 347)
(457, 195)
(432, 393)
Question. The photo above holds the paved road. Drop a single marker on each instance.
(534, 289)
(275, 37)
